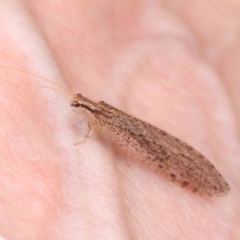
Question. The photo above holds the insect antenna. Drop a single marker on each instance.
(68, 93)
(35, 75)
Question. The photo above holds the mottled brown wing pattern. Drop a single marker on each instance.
(167, 154)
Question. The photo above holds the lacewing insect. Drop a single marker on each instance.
(163, 152)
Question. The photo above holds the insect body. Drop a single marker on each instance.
(167, 154)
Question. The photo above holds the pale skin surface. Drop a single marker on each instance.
(173, 65)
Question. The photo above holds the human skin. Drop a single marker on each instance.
(172, 64)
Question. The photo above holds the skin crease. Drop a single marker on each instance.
(172, 65)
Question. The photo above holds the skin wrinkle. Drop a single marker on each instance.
(230, 106)
(123, 209)
(116, 207)
(235, 104)
(21, 177)
(227, 48)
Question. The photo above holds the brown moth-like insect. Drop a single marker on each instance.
(163, 152)
(167, 154)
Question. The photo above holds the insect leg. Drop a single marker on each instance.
(91, 127)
